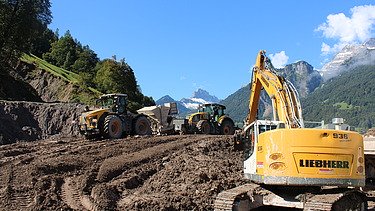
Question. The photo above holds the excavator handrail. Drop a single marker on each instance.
(298, 105)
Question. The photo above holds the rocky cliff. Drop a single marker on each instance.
(303, 76)
(49, 87)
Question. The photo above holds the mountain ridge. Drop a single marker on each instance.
(187, 105)
(349, 57)
(349, 96)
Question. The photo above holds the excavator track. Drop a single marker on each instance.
(249, 196)
(227, 199)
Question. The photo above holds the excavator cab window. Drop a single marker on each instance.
(249, 142)
(264, 128)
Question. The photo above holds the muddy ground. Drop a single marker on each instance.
(149, 173)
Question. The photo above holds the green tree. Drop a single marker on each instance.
(20, 22)
(118, 77)
(42, 42)
(86, 60)
(69, 54)
(63, 52)
(85, 65)
(107, 76)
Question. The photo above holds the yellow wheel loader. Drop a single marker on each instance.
(291, 166)
(112, 119)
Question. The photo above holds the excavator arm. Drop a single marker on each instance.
(284, 97)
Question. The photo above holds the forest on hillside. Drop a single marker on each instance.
(349, 96)
(24, 30)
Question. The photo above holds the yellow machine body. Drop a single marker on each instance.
(304, 156)
(89, 120)
(317, 168)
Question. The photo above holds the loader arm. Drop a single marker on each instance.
(284, 97)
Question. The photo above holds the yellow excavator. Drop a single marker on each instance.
(291, 166)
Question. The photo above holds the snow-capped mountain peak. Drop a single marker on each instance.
(204, 95)
(349, 57)
(187, 104)
(199, 97)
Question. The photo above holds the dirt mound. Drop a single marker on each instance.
(28, 121)
(153, 173)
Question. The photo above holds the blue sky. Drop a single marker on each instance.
(176, 47)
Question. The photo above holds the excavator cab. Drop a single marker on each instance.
(252, 131)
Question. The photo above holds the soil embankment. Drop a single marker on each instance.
(30, 121)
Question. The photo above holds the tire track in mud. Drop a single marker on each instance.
(4, 178)
(13, 196)
(21, 199)
(74, 197)
(126, 170)
(115, 166)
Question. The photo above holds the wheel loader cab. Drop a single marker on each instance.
(115, 103)
(214, 111)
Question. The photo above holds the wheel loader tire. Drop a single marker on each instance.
(112, 127)
(142, 126)
(227, 127)
(204, 127)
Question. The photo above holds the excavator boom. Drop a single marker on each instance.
(284, 97)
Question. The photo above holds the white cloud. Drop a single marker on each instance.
(325, 48)
(279, 60)
(346, 30)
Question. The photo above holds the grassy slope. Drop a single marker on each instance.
(83, 94)
(56, 71)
